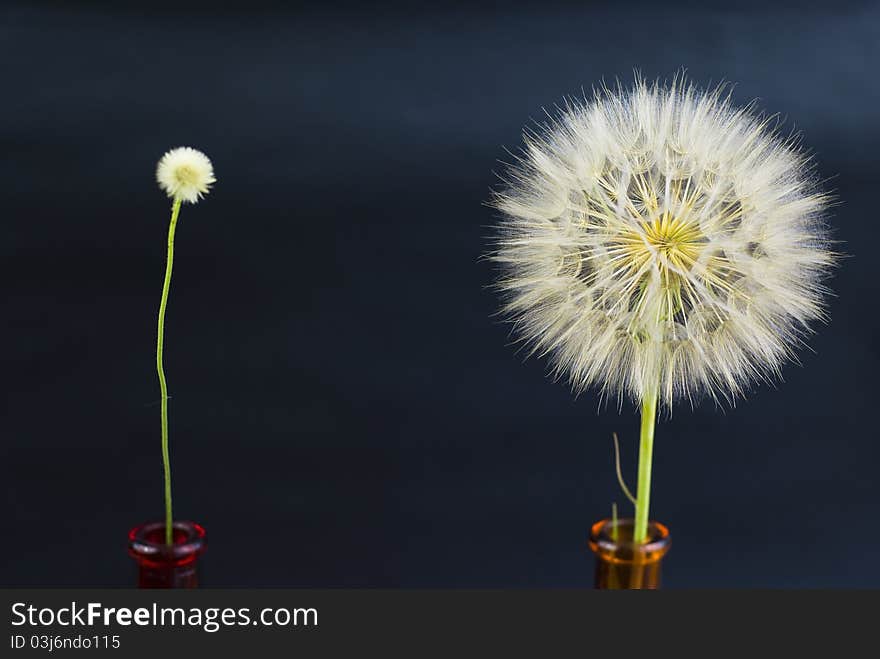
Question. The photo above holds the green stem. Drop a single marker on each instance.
(646, 450)
(166, 462)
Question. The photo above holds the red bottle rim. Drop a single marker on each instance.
(146, 544)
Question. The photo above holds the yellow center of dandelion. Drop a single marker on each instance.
(676, 243)
(673, 245)
(186, 175)
(668, 246)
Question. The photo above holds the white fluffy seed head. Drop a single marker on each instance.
(185, 173)
(660, 240)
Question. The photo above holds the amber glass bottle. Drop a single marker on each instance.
(621, 564)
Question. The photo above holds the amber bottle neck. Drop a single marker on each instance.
(623, 564)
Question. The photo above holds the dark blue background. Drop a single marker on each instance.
(346, 411)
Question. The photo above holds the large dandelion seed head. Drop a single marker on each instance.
(185, 173)
(659, 240)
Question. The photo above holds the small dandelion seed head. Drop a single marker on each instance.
(659, 240)
(185, 173)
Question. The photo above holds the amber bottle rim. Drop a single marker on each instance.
(621, 549)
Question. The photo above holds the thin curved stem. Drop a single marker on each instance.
(163, 386)
(646, 450)
(620, 480)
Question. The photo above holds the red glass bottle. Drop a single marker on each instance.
(167, 566)
(620, 563)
